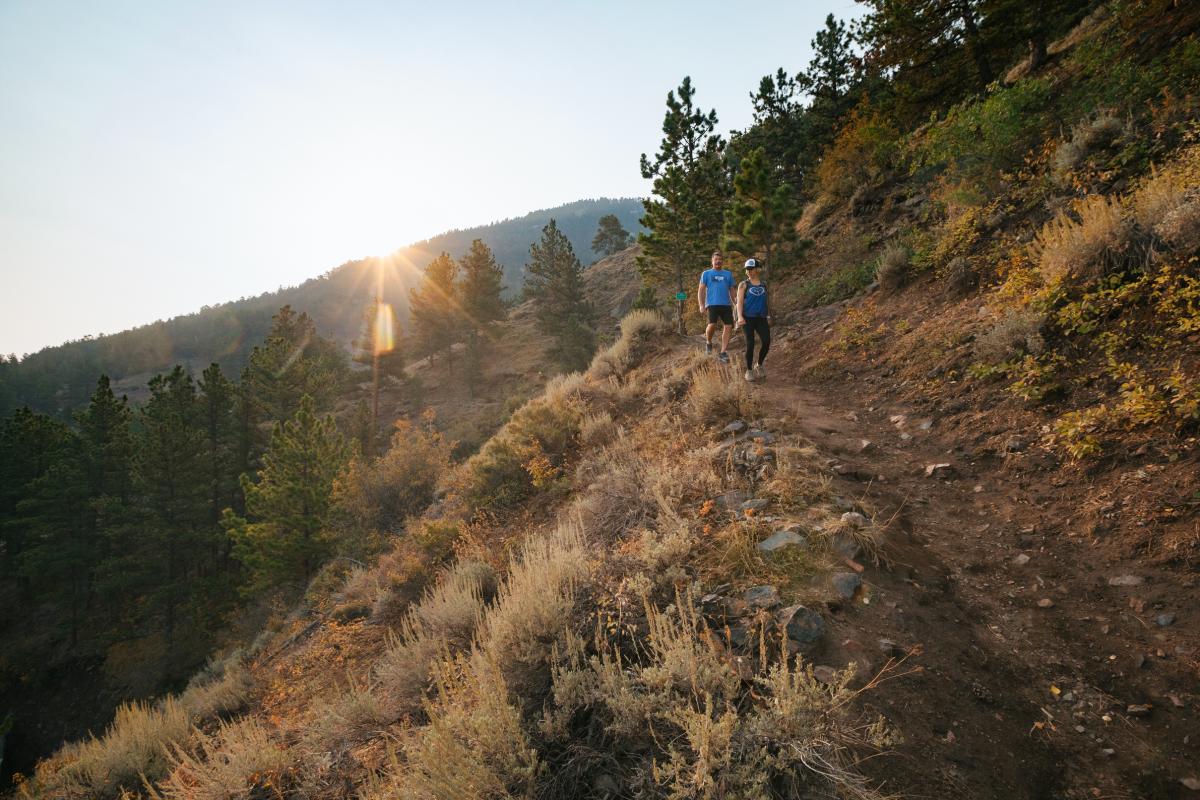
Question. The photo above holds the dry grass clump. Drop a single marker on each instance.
(218, 690)
(1087, 247)
(612, 495)
(133, 745)
(868, 538)
(241, 760)
(1161, 194)
(597, 429)
(797, 482)
(1092, 134)
(1017, 332)
(718, 396)
(534, 604)
(891, 269)
(792, 736)
(638, 328)
(1180, 228)
(452, 609)
(473, 748)
(352, 715)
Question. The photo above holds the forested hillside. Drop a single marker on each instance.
(58, 380)
(942, 545)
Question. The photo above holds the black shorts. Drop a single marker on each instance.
(720, 314)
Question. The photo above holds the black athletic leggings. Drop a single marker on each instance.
(757, 325)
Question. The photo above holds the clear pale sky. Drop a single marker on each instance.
(162, 155)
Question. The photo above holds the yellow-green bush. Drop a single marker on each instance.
(1086, 245)
(241, 760)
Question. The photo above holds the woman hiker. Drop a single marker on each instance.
(752, 313)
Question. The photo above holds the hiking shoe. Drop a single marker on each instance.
(761, 372)
(723, 358)
(708, 348)
(750, 376)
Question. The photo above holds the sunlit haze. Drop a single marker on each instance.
(158, 157)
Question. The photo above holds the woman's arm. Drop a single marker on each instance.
(741, 300)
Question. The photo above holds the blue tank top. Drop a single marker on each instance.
(754, 304)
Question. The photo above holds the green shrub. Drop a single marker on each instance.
(837, 285)
(983, 136)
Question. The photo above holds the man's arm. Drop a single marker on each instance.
(702, 295)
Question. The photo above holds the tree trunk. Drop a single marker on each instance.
(973, 44)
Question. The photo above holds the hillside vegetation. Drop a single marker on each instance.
(58, 380)
(945, 549)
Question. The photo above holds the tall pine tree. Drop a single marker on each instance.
(554, 281)
(611, 236)
(481, 304)
(433, 309)
(281, 540)
(763, 213)
(683, 219)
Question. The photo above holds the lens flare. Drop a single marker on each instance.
(385, 336)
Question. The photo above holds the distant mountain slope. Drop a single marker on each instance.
(59, 379)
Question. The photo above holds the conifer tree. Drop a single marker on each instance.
(433, 309)
(217, 403)
(281, 541)
(647, 299)
(611, 236)
(481, 304)
(683, 219)
(763, 213)
(554, 281)
(175, 538)
(30, 444)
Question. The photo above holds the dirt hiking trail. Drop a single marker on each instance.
(1046, 671)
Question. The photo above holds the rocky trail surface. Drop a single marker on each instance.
(1038, 667)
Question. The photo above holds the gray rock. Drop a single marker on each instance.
(732, 499)
(865, 446)
(824, 674)
(855, 520)
(1164, 620)
(761, 596)
(1021, 560)
(735, 427)
(925, 424)
(846, 584)
(1013, 445)
(803, 626)
(942, 470)
(845, 546)
(739, 636)
(782, 539)
(1126, 580)
(757, 504)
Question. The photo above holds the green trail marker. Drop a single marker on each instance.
(681, 295)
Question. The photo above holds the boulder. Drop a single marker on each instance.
(804, 627)
(761, 596)
(732, 499)
(735, 427)
(757, 504)
(846, 584)
(780, 540)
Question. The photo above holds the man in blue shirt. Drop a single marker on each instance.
(714, 293)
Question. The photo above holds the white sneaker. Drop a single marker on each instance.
(750, 375)
(761, 372)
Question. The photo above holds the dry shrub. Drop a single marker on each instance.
(797, 482)
(718, 396)
(378, 495)
(241, 760)
(813, 213)
(359, 594)
(892, 267)
(1162, 193)
(353, 715)
(612, 497)
(403, 673)
(1086, 248)
(1180, 228)
(452, 609)
(220, 689)
(869, 537)
(1017, 332)
(791, 736)
(597, 429)
(638, 328)
(534, 605)
(528, 452)
(473, 748)
(134, 745)
(1090, 135)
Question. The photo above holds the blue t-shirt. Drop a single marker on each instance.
(718, 283)
(754, 304)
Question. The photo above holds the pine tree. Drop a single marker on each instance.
(611, 236)
(683, 219)
(647, 299)
(30, 444)
(217, 404)
(433, 309)
(554, 281)
(176, 539)
(763, 213)
(281, 541)
(481, 304)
